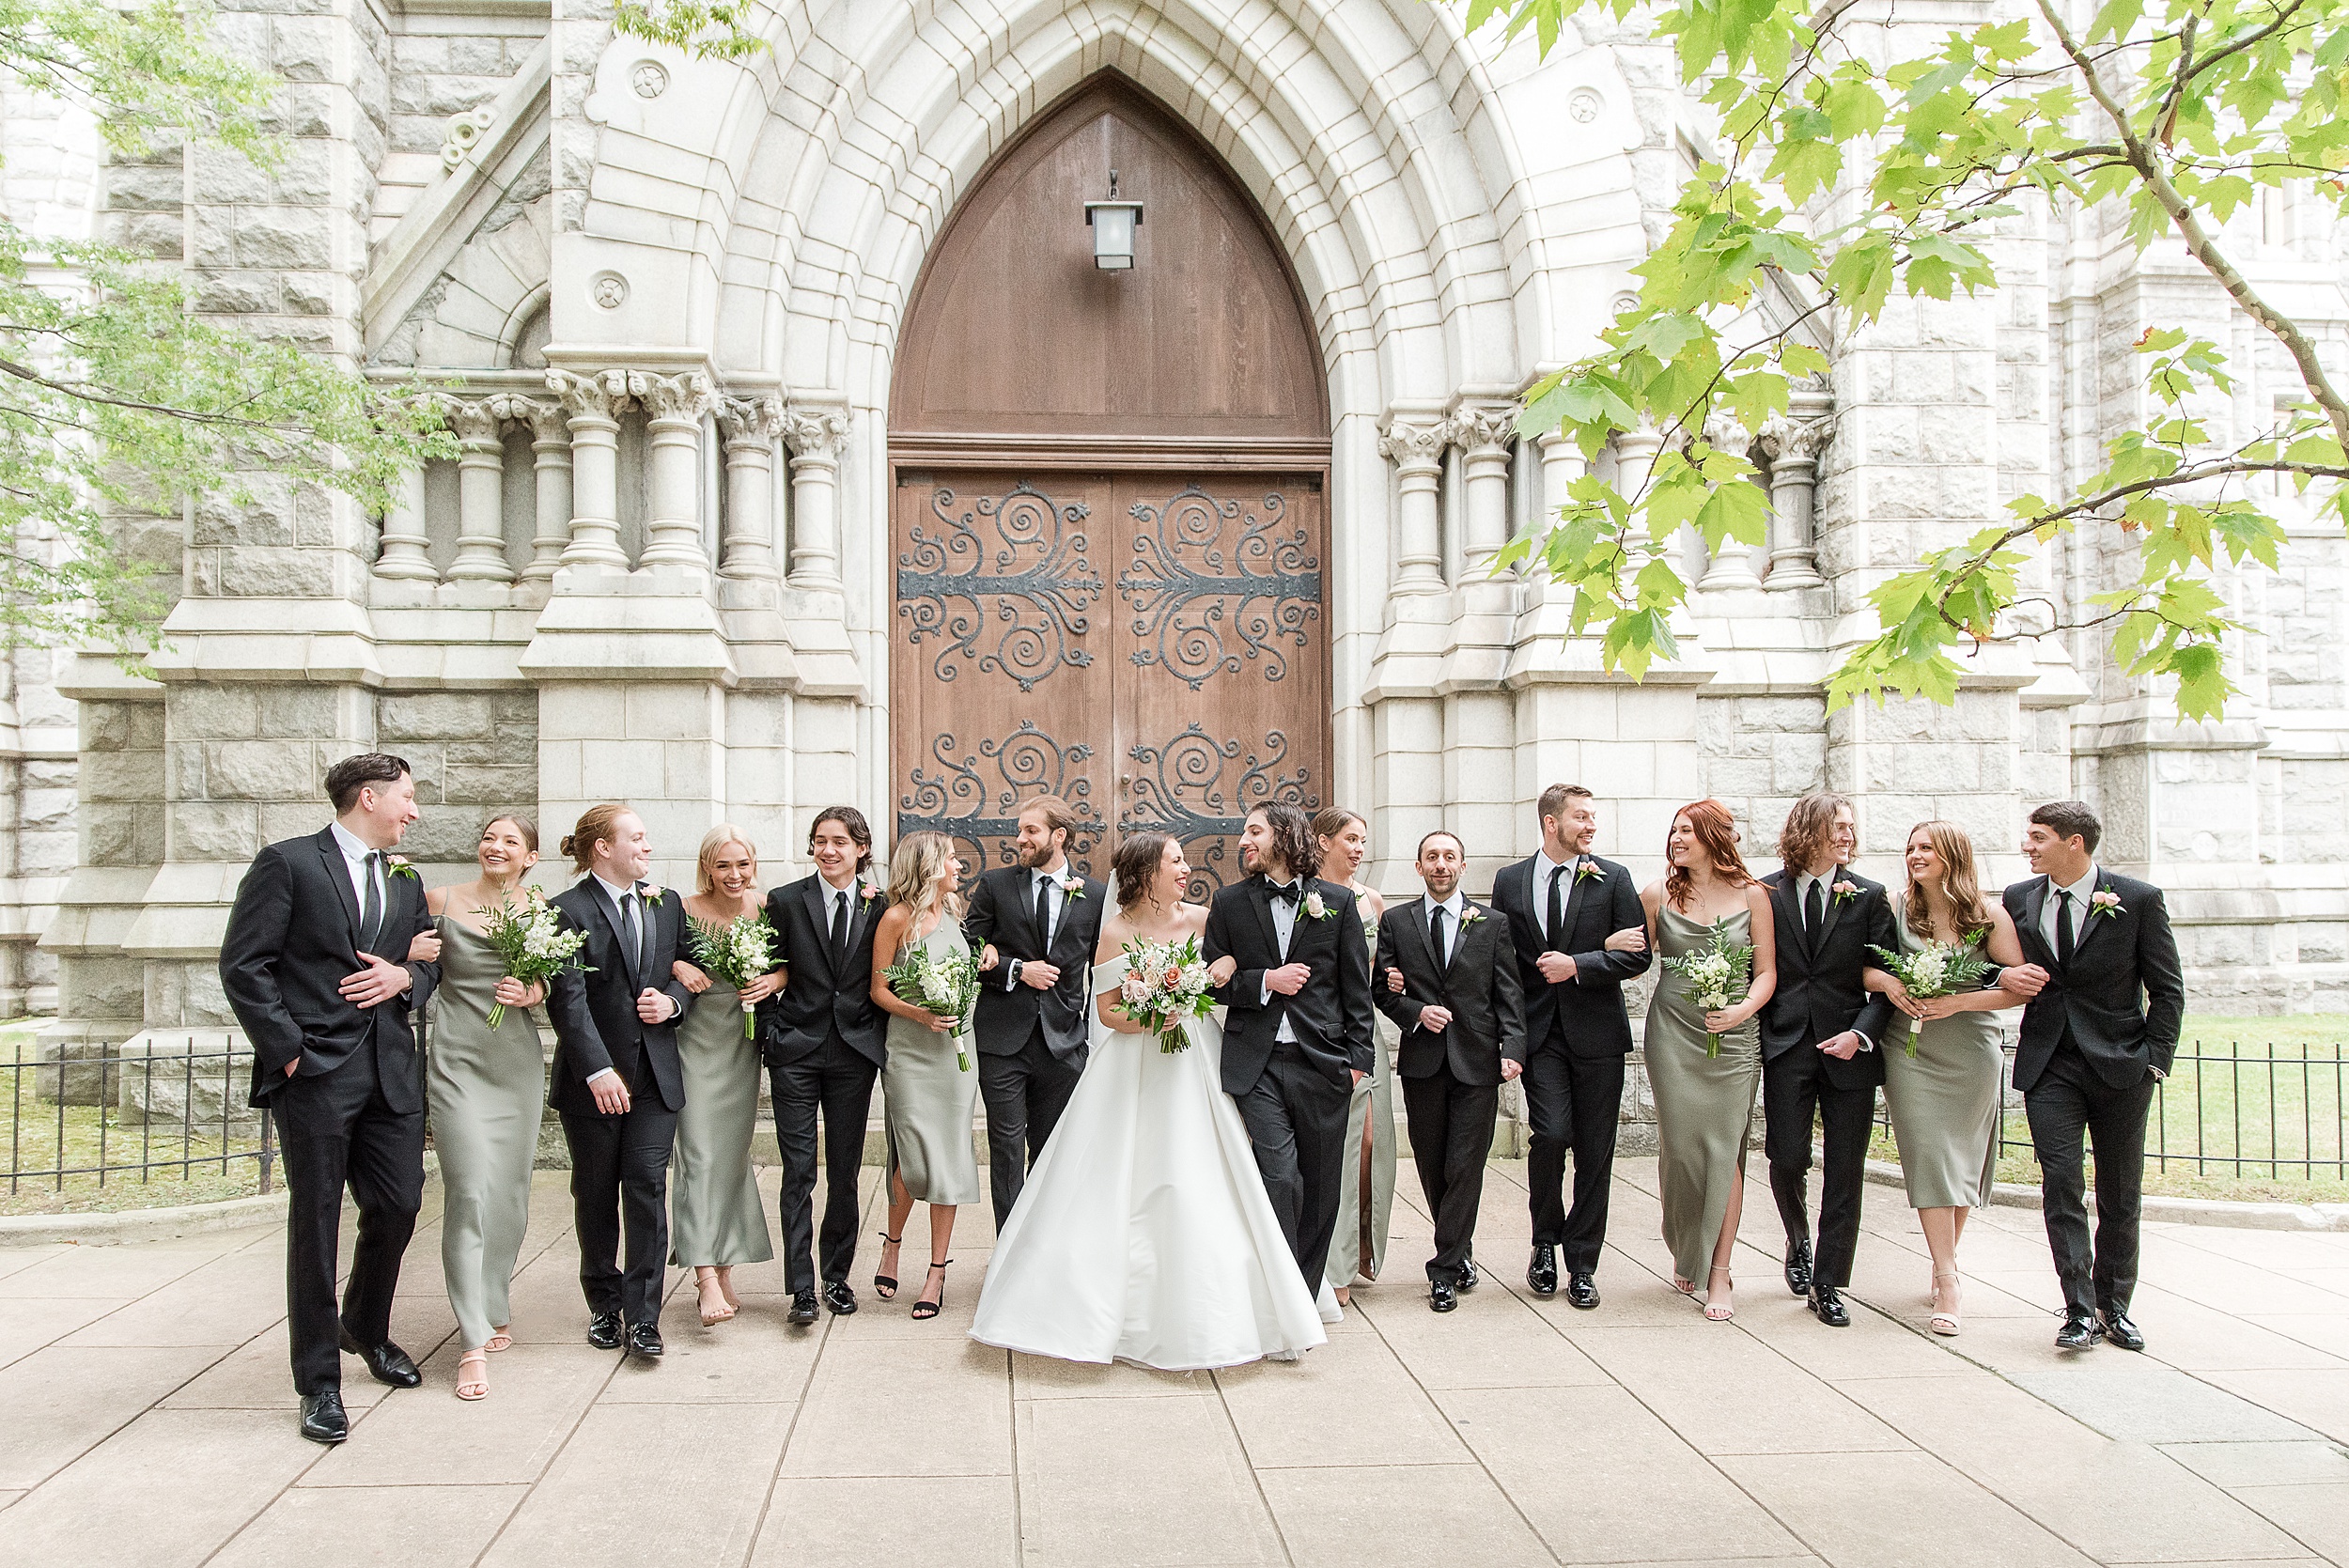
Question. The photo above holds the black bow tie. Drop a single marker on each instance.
(1292, 892)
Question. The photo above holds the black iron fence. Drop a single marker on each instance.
(160, 1108)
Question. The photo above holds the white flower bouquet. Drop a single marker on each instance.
(737, 953)
(948, 986)
(1165, 987)
(1934, 969)
(529, 936)
(1717, 974)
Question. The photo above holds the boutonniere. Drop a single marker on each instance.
(2104, 901)
(1315, 907)
(398, 867)
(651, 892)
(1472, 916)
(871, 892)
(1844, 890)
(1072, 887)
(1589, 869)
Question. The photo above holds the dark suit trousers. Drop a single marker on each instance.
(2070, 1100)
(1452, 1137)
(838, 1083)
(620, 1181)
(1571, 1103)
(1025, 1090)
(1296, 1123)
(1796, 1094)
(337, 1129)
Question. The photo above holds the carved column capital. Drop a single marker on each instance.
(548, 422)
(756, 420)
(816, 434)
(1788, 439)
(597, 395)
(1485, 425)
(475, 423)
(1411, 446)
(683, 397)
(1725, 432)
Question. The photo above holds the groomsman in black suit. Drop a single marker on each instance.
(825, 1042)
(315, 964)
(1580, 933)
(1036, 925)
(1298, 1034)
(2100, 1032)
(617, 1081)
(1820, 1030)
(1462, 1014)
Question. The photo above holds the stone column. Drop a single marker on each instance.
(403, 556)
(1793, 448)
(674, 405)
(551, 463)
(1732, 565)
(817, 437)
(1417, 453)
(1482, 435)
(480, 495)
(592, 403)
(750, 426)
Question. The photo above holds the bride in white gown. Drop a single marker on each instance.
(1144, 1233)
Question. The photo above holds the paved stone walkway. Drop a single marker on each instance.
(145, 1419)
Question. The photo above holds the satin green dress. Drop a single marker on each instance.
(1703, 1105)
(1945, 1101)
(714, 1215)
(487, 1091)
(1358, 1248)
(929, 1101)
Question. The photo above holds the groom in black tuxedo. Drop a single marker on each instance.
(1297, 1034)
(334, 1061)
(2100, 1032)
(1820, 1033)
(1462, 1014)
(1035, 924)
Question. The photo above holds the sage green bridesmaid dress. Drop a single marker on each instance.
(928, 1101)
(1704, 1104)
(714, 1215)
(1357, 1250)
(488, 1090)
(1945, 1101)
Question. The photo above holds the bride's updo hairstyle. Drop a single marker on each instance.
(1136, 865)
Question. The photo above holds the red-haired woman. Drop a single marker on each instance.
(1704, 1064)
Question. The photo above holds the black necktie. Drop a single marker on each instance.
(1434, 935)
(1044, 912)
(371, 915)
(1289, 890)
(839, 927)
(1813, 909)
(632, 941)
(2063, 926)
(1557, 910)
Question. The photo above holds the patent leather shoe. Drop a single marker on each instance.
(1582, 1290)
(386, 1362)
(1828, 1305)
(803, 1306)
(2079, 1332)
(1541, 1275)
(603, 1330)
(323, 1418)
(1799, 1267)
(1470, 1279)
(2121, 1332)
(644, 1339)
(840, 1299)
(1441, 1297)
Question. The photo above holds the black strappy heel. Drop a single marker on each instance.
(924, 1310)
(884, 1285)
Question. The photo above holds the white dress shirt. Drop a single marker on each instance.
(1283, 926)
(1544, 869)
(835, 898)
(1052, 915)
(356, 866)
(1453, 909)
(1826, 880)
(618, 896)
(2081, 891)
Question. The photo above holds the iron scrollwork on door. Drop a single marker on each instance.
(1214, 584)
(1014, 602)
(1180, 788)
(961, 803)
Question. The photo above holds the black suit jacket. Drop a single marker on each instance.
(594, 1014)
(292, 936)
(2122, 997)
(1332, 1016)
(1820, 990)
(819, 998)
(1479, 983)
(1587, 1010)
(1003, 911)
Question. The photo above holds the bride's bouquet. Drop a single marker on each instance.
(530, 937)
(737, 953)
(1936, 969)
(1718, 976)
(1165, 987)
(948, 986)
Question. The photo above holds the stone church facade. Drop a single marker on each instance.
(809, 455)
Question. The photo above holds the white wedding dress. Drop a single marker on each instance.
(1144, 1233)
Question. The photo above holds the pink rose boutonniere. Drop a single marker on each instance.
(1473, 917)
(871, 892)
(1844, 890)
(651, 892)
(2104, 901)
(397, 865)
(1587, 870)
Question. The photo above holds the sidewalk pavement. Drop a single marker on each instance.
(147, 1416)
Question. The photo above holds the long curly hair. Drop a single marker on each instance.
(914, 866)
(1961, 884)
(1717, 835)
(1808, 826)
(1293, 837)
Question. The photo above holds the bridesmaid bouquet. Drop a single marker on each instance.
(531, 938)
(1936, 969)
(1165, 987)
(737, 953)
(947, 986)
(1716, 975)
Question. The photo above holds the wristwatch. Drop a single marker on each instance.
(1013, 979)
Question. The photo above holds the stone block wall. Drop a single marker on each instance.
(476, 754)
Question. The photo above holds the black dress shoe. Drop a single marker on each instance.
(1441, 1297)
(1829, 1306)
(1470, 1279)
(1541, 1275)
(2120, 1331)
(1799, 1267)
(603, 1330)
(840, 1299)
(644, 1339)
(386, 1362)
(1582, 1290)
(803, 1306)
(2079, 1332)
(323, 1418)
